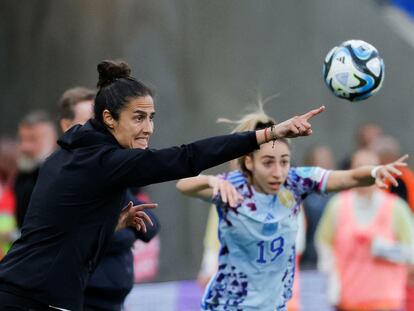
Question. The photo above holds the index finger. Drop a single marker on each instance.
(146, 217)
(145, 206)
(403, 158)
(313, 113)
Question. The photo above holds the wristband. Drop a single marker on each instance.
(274, 137)
(374, 171)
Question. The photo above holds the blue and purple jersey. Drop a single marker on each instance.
(257, 252)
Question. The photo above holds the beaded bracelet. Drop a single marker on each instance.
(274, 137)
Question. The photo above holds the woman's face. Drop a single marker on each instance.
(269, 167)
(135, 124)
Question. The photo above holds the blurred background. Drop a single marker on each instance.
(208, 59)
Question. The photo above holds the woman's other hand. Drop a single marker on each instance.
(228, 192)
(135, 216)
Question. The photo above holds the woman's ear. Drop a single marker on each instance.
(248, 163)
(108, 119)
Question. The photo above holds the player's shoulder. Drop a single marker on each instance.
(235, 177)
(313, 172)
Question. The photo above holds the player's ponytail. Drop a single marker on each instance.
(256, 120)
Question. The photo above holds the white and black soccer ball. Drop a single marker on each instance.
(353, 70)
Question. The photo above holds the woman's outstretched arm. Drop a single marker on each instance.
(367, 175)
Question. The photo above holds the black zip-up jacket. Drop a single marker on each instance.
(76, 203)
(113, 277)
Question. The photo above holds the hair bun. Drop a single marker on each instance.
(110, 71)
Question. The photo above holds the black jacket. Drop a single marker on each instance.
(113, 277)
(77, 199)
(23, 188)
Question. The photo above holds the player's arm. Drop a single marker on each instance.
(208, 186)
(197, 186)
(365, 176)
(140, 167)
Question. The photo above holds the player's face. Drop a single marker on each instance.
(135, 124)
(269, 167)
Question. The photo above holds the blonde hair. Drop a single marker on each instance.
(250, 121)
(255, 120)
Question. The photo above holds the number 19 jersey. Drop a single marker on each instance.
(257, 252)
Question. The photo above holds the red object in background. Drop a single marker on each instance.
(7, 202)
(7, 208)
(146, 257)
(407, 178)
(142, 196)
(409, 306)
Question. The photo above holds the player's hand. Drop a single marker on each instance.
(385, 173)
(228, 193)
(134, 216)
(296, 126)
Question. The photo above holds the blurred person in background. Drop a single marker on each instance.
(113, 277)
(387, 147)
(36, 139)
(314, 204)
(363, 242)
(75, 107)
(7, 202)
(364, 136)
(258, 207)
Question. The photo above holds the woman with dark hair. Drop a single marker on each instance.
(72, 213)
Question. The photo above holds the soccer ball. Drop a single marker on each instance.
(353, 70)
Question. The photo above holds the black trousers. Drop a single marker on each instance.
(11, 302)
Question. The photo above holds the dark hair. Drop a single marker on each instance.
(36, 117)
(262, 125)
(116, 88)
(71, 98)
